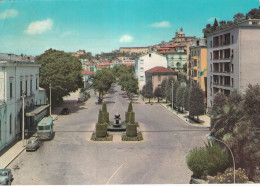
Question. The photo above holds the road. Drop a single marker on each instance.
(72, 158)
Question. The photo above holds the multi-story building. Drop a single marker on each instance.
(18, 77)
(175, 54)
(197, 67)
(233, 58)
(141, 50)
(146, 62)
(158, 74)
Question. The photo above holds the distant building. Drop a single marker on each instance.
(146, 62)
(78, 53)
(233, 58)
(175, 54)
(86, 78)
(158, 74)
(17, 76)
(138, 50)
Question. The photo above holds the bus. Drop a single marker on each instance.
(45, 129)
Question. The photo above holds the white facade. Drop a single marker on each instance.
(233, 59)
(17, 76)
(147, 62)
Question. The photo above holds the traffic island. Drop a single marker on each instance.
(107, 138)
(139, 137)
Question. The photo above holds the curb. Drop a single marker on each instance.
(14, 157)
(182, 119)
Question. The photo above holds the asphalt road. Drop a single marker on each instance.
(72, 158)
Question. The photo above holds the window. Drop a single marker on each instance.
(10, 124)
(141, 78)
(31, 86)
(150, 55)
(11, 90)
(36, 84)
(141, 61)
(232, 39)
(21, 88)
(26, 88)
(0, 129)
(141, 69)
(211, 55)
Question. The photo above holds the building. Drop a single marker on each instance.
(146, 62)
(233, 58)
(176, 55)
(197, 67)
(139, 50)
(18, 77)
(158, 74)
(87, 78)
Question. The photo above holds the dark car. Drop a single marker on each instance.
(65, 111)
(33, 144)
(6, 176)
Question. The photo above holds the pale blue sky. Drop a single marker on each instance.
(33, 26)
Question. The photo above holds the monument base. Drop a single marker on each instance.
(113, 128)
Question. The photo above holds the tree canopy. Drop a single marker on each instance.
(196, 101)
(62, 71)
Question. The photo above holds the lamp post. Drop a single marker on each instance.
(172, 94)
(211, 138)
(23, 96)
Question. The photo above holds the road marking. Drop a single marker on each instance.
(114, 173)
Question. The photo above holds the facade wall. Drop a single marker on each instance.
(14, 74)
(176, 58)
(143, 50)
(237, 69)
(145, 63)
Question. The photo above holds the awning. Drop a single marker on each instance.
(37, 110)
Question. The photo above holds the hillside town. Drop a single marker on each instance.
(180, 111)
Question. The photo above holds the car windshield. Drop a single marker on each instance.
(3, 173)
(31, 141)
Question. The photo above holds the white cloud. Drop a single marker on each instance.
(163, 24)
(39, 27)
(64, 34)
(11, 13)
(212, 19)
(126, 39)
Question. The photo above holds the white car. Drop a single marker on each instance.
(6, 176)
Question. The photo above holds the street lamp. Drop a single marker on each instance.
(23, 96)
(211, 138)
(172, 94)
(50, 99)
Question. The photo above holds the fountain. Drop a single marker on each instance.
(117, 126)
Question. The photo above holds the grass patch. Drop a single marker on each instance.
(107, 138)
(139, 137)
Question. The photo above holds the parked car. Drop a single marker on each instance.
(65, 111)
(6, 176)
(32, 144)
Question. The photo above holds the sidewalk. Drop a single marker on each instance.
(11, 154)
(205, 120)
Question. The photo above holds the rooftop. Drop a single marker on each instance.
(88, 72)
(160, 69)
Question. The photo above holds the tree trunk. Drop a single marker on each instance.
(149, 100)
(158, 99)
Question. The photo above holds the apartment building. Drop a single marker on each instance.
(146, 62)
(141, 50)
(197, 67)
(233, 58)
(18, 76)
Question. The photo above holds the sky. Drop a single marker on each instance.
(33, 26)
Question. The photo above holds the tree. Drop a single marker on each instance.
(163, 88)
(186, 97)
(148, 92)
(180, 98)
(196, 101)
(102, 81)
(184, 66)
(238, 17)
(234, 120)
(221, 23)
(62, 71)
(215, 25)
(158, 93)
(253, 14)
(174, 92)
(131, 86)
(169, 83)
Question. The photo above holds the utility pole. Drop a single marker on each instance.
(23, 95)
(50, 99)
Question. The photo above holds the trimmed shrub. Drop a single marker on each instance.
(100, 117)
(127, 117)
(228, 176)
(107, 138)
(132, 118)
(101, 130)
(197, 162)
(104, 107)
(131, 130)
(130, 107)
(139, 137)
(106, 117)
(209, 160)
